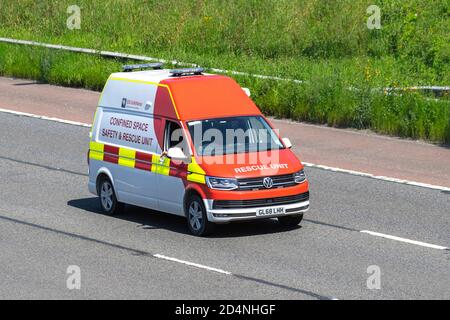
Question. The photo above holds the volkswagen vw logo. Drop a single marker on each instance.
(268, 182)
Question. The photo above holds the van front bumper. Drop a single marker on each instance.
(218, 214)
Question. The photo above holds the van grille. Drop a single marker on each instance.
(236, 204)
(281, 181)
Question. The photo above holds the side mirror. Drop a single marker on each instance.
(176, 154)
(287, 142)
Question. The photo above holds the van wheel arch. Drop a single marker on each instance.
(196, 215)
(107, 195)
(189, 193)
(103, 172)
(101, 176)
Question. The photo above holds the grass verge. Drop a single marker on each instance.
(305, 39)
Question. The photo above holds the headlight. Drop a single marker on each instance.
(299, 176)
(221, 183)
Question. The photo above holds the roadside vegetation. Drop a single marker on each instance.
(344, 65)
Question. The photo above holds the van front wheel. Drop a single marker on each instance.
(290, 221)
(196, 217)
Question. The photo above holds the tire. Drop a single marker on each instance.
(107, 197)
(197, 219)
(290, 221)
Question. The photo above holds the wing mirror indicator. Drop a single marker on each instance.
(287, 142)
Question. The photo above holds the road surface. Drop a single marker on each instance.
(49, 221)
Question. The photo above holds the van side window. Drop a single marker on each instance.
(174, 137)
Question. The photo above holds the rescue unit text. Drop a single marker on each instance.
(261, 167)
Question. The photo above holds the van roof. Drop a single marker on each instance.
(198, 97)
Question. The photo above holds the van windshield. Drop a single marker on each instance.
(233, 135)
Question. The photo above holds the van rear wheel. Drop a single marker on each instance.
(291, 221)
(196, 217)
(107, 196)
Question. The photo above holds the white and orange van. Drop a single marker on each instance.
(194, 145)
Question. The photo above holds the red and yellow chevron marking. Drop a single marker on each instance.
(144, 161)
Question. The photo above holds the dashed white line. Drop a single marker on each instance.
(307, 164)
(192, 264)
(414, 242)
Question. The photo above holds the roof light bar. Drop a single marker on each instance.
(131, 67)
(183, 72)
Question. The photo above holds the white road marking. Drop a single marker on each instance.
(160, 256)
(25, 114)
(369, 175)
(417, 243)
(307, 164)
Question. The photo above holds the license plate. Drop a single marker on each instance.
(269, 211)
